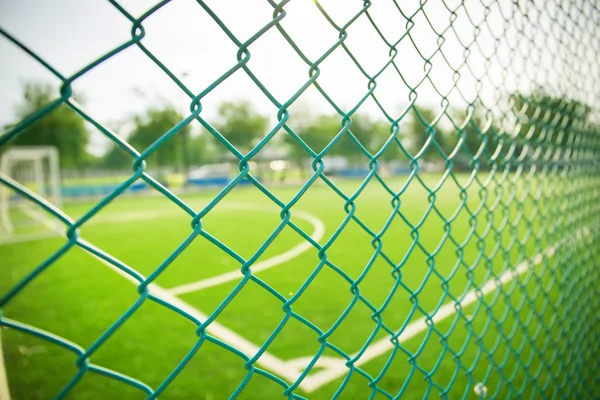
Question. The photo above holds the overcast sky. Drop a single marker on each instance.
(70, 34)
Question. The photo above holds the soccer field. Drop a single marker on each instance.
(434, 294)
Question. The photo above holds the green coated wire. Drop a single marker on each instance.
(505, 169)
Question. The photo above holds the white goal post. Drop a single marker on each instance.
(37, 168)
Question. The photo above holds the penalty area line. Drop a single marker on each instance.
(318, 232)
(335, 370)
(266, 360)
(334, 367)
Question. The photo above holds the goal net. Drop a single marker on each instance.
(37, 169)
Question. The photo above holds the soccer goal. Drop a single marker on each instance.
(36, 168)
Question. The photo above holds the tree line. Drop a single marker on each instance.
(243, 126)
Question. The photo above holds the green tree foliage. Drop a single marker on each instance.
(61, 128)
(116, 159)
(151, 126)
(419, 130)
(542, 121)
(241, 124)
(318, 132)
(375, 134)
(548, 120)
(371, 135)
(481, 133)
(202, 149)
(475, 132)
(199, 149)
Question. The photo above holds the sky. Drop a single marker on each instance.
(70, 34)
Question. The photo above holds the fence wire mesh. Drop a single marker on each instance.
(523, 154)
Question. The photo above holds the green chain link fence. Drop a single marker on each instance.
(538, 153)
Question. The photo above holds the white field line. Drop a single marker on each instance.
(334, 368)
(4, 393)
(333, 371)
(103, 219)
(266, 360)
(319, 231)
(6, 240)
(215, 328)
(131, 216)
(53, 227)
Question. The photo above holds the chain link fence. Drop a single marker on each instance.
(523, 153)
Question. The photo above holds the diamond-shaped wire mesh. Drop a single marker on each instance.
(525, 168)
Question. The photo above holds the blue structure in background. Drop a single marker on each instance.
(353, 172)
(402, 170)
(217, 181)
(98, 190)
(103, 190)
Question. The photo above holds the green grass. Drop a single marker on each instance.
(517, 341)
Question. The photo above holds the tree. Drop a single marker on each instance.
(371, 135)
(316, 133)
(202, 149)
(116, 158)
(241, 124)
(199, 151)
(546, 119)
(61, 128)
(151, 126)
(374, 134)
(475, 132)
(418, 131)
